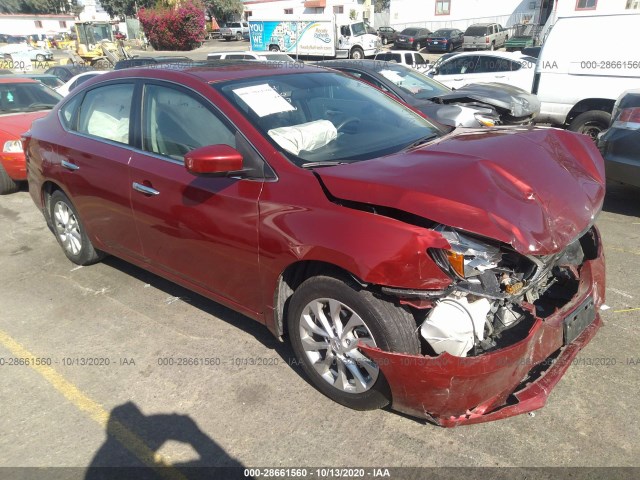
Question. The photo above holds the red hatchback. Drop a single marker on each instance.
(454, 275)
(22, 100)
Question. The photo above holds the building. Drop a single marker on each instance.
(93, 11)
(344, 9)
(434, 14)
(28, 24)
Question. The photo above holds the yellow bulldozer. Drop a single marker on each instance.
(96, 46)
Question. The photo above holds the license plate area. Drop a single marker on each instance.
(578, 320)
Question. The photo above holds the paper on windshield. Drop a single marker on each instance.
(392, 76)
(263, 100)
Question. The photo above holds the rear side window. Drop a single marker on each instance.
(408, 58)
(476, 31)
(492, 64)
(68, 112)
(105, 112)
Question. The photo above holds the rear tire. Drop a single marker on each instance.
(274, 48)
(450, 47)
(7, 184)
(40, 58)
(323, 307)
(418, 46)
(591, 123)
(384, 40)
(70, 232)
(239, 36)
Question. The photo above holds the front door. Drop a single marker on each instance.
(202, 230)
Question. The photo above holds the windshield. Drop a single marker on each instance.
(412, 82)
(358, 29)
(26, 97)
(326, 117)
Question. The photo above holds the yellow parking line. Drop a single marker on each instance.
(96, 412)
(627, 310)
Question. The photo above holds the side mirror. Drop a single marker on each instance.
(214, 160)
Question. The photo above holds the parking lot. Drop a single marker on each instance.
(135, 371)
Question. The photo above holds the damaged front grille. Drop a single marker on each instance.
(494, 291)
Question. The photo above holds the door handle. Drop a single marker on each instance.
(457, 79)
(144, 189)
(500, 76)
(69, 165)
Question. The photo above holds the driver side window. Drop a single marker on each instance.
(176, 123)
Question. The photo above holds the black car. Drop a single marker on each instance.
(619, 144)
(474, 105)
(67, 72)
(387, 35)
(412, 38)
(445, 40)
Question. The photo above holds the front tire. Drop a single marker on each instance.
(7, 184)
(40, 58)
(274, 48)
(238, 36)
(591, 123)
(70, 233)
(384, 40)
(357, 54)
(327, 317)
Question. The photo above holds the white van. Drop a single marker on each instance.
(581, 72)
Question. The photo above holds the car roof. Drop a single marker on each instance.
(510, 55)
(209, 72)
(481, 25)
(12, 79)
(396, 51)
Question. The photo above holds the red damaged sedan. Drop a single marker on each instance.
(22, 100)
(453, 275)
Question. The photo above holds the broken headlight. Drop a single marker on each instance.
(467, 257)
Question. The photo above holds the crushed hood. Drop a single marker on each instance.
(534, 188)
(15, 124)
(518, 102)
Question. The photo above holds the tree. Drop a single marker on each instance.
(381, 5)
(125, 8)
(39, 6)
(224, 10)
(174, 28)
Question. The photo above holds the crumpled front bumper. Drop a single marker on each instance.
(452, 391)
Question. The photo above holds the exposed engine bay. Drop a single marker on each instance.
(494, 291)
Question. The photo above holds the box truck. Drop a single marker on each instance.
(313, 36)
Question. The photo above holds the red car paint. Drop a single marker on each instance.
(12, 126)
(231, 240)
(453, 391)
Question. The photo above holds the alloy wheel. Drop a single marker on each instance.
(67, 228)
(330, 332)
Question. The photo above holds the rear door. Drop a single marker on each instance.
(95, 157)
(201, 230)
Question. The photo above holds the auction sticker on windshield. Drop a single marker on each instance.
(263, 100)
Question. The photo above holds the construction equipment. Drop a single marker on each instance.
(96, 46)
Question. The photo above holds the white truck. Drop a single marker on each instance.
(578, 77)
(313, 36)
